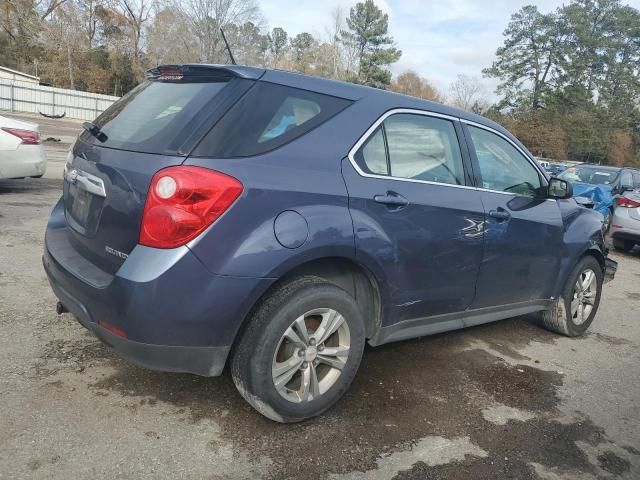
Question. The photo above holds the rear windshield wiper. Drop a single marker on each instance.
(95, 131)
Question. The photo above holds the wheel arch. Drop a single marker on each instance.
(596, 253)
(343, 272)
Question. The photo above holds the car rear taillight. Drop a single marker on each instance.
(182, 202)
(28, 137)
(627, 202)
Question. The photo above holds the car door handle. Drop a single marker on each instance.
(392, 200)
(500, 214)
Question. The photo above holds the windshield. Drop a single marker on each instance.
(591, 174)
(156, 116)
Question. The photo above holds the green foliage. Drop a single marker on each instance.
(581, 65)
(278, 42)
(367, 33)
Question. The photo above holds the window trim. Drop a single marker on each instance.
(393, 111)
(371, 130)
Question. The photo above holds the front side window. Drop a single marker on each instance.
(416, 147)
(502, 167)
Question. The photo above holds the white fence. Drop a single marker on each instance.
(28, 97)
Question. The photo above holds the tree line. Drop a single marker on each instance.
(569, 80)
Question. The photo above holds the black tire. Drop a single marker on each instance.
(251, 362)
(623, 245)
(559, 318)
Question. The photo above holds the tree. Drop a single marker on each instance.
(367, 33)
(528, 62)
(277, 44)
(170, 40)
(206, 17)
(621, 148)
(137, 14)
(409, 83)
(467, 93)
(248, 44)
(301, 46)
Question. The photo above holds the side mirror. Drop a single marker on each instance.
(559, 189)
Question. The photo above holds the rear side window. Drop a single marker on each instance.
(156, 116)
(267, 117)
(636, 180)
(416, 147)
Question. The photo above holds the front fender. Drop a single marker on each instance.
(583, 235)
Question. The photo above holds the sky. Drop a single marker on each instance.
(438, 39)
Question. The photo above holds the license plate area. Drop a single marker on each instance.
(83, 209)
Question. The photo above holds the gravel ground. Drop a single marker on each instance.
(506, 400)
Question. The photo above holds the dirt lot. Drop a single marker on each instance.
(506, 400)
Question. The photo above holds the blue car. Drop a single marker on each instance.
(601, 184)
(276, 222)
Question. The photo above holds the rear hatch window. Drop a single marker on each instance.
(267, 117)
(158, 116)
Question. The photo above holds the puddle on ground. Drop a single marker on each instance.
(403, 393)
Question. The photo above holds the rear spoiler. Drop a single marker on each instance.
(203, 71)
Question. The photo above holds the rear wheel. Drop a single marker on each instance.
(623, 245)
(300, 350)
(573, 313)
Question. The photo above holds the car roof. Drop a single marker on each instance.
(346, 90)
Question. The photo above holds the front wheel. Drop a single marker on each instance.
(300, 350)
(573, 313)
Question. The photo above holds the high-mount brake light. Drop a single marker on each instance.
(182, 202)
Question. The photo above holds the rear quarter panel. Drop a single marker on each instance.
(303, 176)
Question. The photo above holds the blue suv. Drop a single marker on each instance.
(276, 222)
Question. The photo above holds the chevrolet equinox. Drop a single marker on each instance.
(276, 222)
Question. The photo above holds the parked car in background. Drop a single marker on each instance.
(625, 223)
(543, 163)
(602, 184)
(21, 154)
(276, 222)
(555, 169)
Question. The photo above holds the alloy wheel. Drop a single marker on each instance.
(311, 355)
(584, 296)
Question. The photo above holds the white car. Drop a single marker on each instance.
(21, 154)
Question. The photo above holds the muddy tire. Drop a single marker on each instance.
(300, 350)
(573, 313)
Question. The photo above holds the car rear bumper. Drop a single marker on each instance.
(205, 361)
(625, 225)
(171, 312)
(25, 161)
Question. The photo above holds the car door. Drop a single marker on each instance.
(418, 224)
(523, 242)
